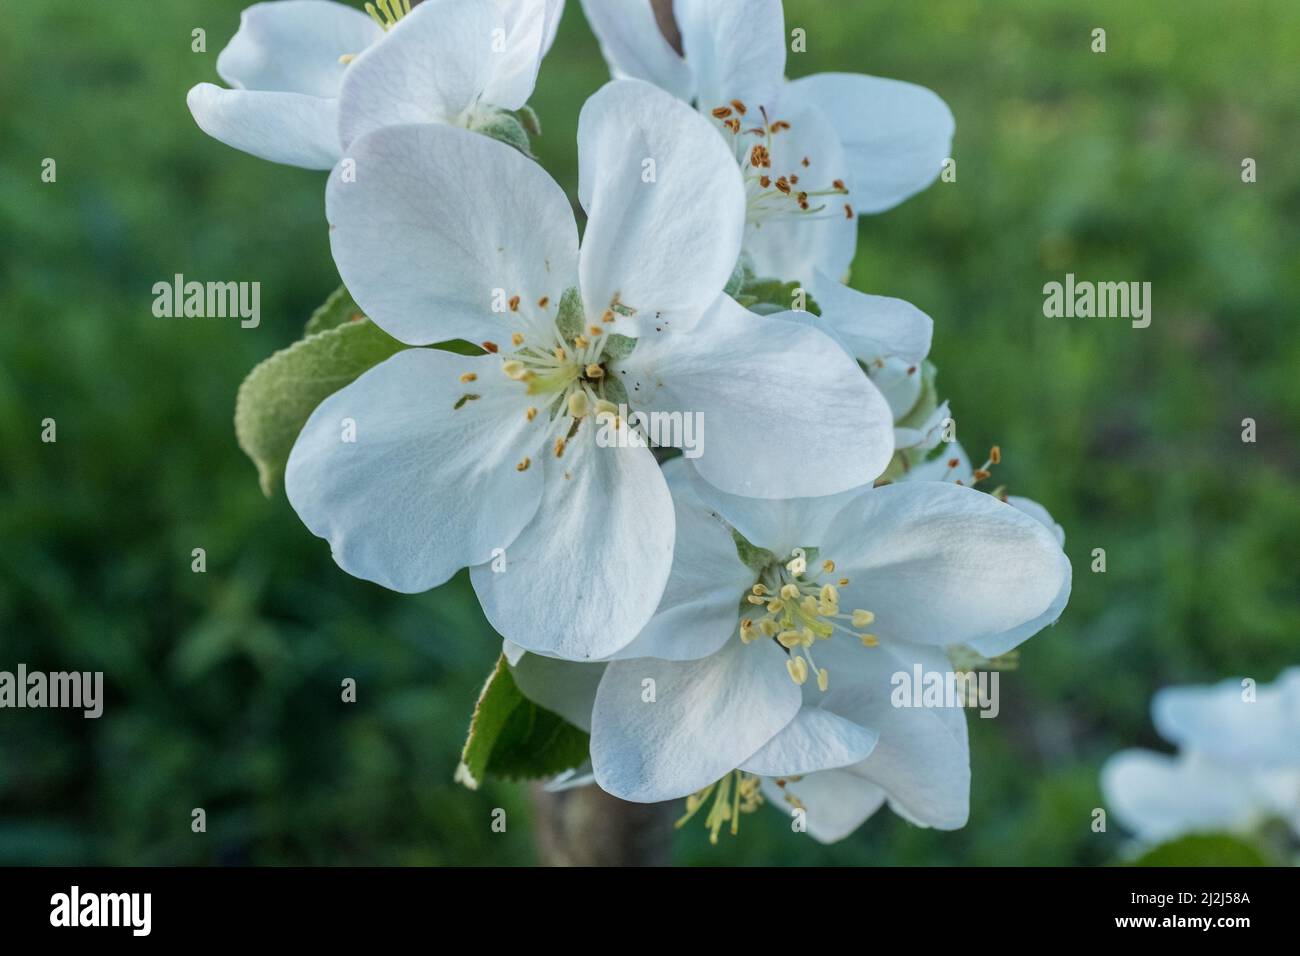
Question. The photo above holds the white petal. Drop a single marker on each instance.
(291, 128)
(635, 48)
(530, 27)
(666, 208)
(899, 381)
(896, 135)
(941, 564)
(700, 609)
(796, 246)
(872, 326)
(1159, 797)
(817, 739)
(442, 225)
(951, 465)
(425, 488)
(707, 716)
(922, 759)
(293, 46)
(994, 646)
(1216, 719)
(585, 576)
(563, 687)
(735, 49)
(431, 68)
(928, 434)
(777, 524)
(835, 802)
(554, 14)
(785, 412)
(1039, 514)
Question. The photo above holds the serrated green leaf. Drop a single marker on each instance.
(1204, 849)
(276, 399)
(513, 738)
(339, 308)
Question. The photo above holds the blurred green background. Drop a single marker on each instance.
(223, 688)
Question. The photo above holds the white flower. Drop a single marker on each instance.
(458, 459)
(814, 152)
(310, 76)
(1238, 762)
(768, 671)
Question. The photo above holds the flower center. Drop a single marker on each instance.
(561, 365)
(797, 608)
(774, 194)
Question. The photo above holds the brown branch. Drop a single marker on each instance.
(588, 827)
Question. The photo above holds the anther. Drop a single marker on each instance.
(523, 465)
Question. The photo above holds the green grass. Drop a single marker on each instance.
(224, 687)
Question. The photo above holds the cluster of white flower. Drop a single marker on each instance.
(827, 537)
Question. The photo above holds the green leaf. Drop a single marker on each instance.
(1204, 849)
(752, 556)
(767, 296)
(571, 314)
(506, 128)
(339, 308)
(276, 399)
(618, 347)
(528, 117)
(511, 737)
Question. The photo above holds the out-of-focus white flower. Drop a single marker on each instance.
(1238, 762)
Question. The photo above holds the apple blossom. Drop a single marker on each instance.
(813, 152)
(308, 77)
(493, 461)
(772, 665)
